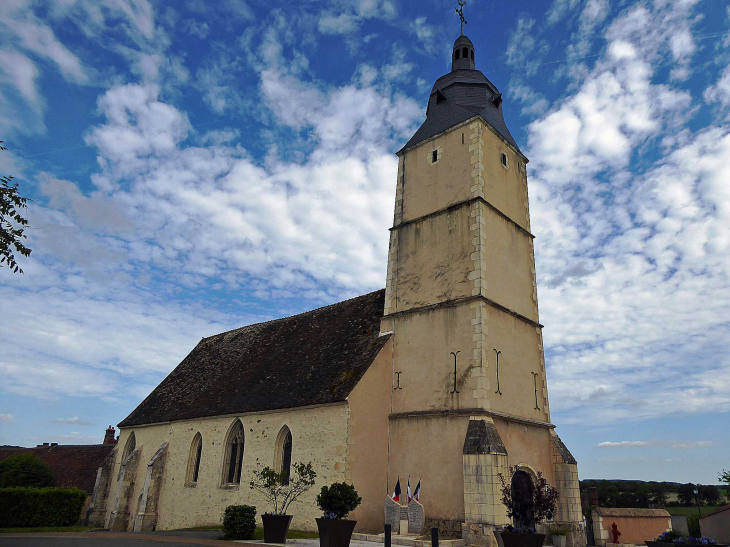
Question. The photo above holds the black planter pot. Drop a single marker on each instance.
(515, 539)
(658, 544)
(276, 527)
(334, 532)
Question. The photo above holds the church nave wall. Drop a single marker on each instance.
(319, 434)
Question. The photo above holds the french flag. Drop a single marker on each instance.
(417, 492)
(396, 492)
(408, 490)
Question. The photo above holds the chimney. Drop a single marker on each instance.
(109, 436)
(54, 444)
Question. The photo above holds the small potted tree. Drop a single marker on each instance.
(281, 490)
(526, 511)
(336, 502)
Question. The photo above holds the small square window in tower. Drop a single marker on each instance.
(503, 159)
(434, 156)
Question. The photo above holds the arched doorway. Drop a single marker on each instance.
(523, 494)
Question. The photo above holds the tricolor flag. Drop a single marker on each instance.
(408, 490)
(396, 492)
(417, 492)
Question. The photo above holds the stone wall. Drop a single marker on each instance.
(319, 435)
(96, 514)
(636, 525)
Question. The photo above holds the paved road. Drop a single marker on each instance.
(155, 539)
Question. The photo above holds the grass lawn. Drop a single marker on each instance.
(45, 529)
(687, 511)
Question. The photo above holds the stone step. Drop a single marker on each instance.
(409, 541)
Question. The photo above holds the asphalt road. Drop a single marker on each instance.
(84, 542)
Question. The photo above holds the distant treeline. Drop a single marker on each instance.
(625, 493)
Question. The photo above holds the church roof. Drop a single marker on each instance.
(312, 358)
(459, 96)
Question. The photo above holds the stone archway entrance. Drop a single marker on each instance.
(522, 493)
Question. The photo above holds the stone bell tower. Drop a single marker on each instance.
(469, 394)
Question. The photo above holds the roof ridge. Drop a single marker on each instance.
(292, 316)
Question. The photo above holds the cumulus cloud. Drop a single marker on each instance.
(632, 263)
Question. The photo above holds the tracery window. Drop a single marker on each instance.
(282, 457)
(196, 452)
(234, 454)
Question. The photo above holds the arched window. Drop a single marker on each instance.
(129, 447)
(456, 54)
(196, 451)
(465, 53)
(282, 457)
(234, 454)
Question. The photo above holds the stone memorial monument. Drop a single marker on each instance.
(403, 519)
(416, 518)
(392, 515)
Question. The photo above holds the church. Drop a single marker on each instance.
(440, 375)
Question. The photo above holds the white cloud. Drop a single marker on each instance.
(611, 444)
(22, 73)
(72, 421)
(633, 263)
(676, 445)
(6, 418)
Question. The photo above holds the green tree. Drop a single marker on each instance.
(725, 477)
(710, 494)
(658, 494)
(12, 222)
(25, 470)
(686, 494)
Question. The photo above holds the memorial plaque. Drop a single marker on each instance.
(416, 518)
(392, 515)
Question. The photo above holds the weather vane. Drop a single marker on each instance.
(460, 11)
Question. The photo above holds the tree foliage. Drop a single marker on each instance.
(710, 494)
(25, 470)
(12, 222)
(338, 499)
(271, 484)
(686, 494)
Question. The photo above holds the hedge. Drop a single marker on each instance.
(40, 506)
(239, 521)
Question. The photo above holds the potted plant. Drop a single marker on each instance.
(336, 502)
(559, 536)
(281, 490)
(532, 505)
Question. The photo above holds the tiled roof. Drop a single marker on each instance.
(623, 512)
(316, 357)
(464, 94)
(72, 465)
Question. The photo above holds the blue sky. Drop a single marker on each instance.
(196, 166)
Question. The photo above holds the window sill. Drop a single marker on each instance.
(230, 486)
(191, 485)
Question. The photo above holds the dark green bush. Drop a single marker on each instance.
(40, 506)
(239, 521)
(337, 500)
(25, 470)
(693, 525)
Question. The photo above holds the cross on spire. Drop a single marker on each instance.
(460, 11)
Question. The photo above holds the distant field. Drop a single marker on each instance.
(692, 510)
